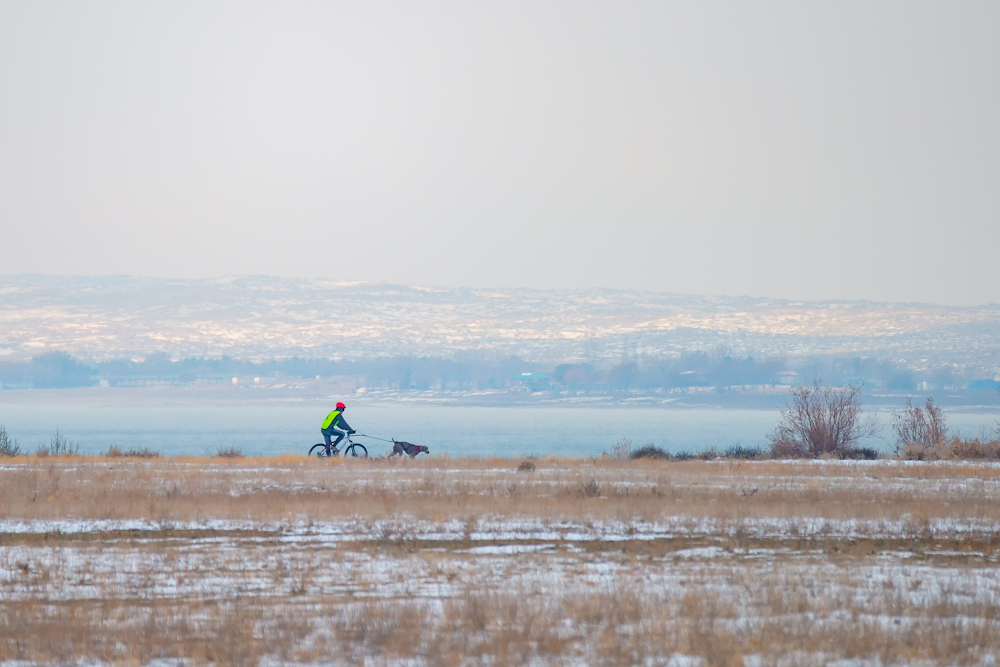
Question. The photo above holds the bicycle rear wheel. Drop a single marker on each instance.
(318, 451)
(357, 451)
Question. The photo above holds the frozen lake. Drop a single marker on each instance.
(277, 427)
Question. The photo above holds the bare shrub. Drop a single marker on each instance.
(922, 435)
(590, 489)
(956, 449)
(59, 446)
(8, 445)
(115, 451)
(526, 466)
(683, 455)
(860, 454)
(738, 451)
(822, 421)
(650, 451)
(919, 426)
(709, 454)
(975, 449)
(144, 453)
(230, 453)
(621, 449)
(921, 453)
(785, 449)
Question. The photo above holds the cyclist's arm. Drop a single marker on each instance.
(342, 423)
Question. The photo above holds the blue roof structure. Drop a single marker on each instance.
(984, 384)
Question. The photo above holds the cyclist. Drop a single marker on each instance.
(329, 428)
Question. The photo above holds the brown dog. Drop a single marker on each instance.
(399, 448)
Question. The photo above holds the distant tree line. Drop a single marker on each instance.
(723, 370)
(58, 369)
(49, 370)
(696, 369)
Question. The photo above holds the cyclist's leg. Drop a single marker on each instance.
(331, 432)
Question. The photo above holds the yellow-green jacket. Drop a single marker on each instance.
(336, 420)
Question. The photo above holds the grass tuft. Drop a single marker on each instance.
(649, 451)
(232, 452)
(114, 451)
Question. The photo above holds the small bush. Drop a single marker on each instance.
(131, 453)
(59, 446)
(526, 466)
(787, 449)
(8, 446)
(915, 452)
(230, 453)
(144, 453)
(975, 449)
(741, 452)
(860, 454)
(650, 451)
(956, 449)
(683, 455)
(621, 449)
(919, 426)
(709, 454)
(590, 489)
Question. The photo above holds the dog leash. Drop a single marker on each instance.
(365, 435)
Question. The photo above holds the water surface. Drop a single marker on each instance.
(274, 428)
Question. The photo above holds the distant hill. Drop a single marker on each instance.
(257, 317)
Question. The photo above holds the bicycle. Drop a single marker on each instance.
(352, 449)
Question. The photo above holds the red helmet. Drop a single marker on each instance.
(341, 406)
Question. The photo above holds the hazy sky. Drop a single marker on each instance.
(803, 149)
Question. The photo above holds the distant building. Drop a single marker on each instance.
(788, 378)
(531, 381)
(453, 382)
(986, 384)
(699, 377)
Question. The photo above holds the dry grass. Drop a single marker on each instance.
(393, 593)
(641, 611)
(955, 449)
(114, 451)
(295, 489)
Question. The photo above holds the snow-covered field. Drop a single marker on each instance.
(472, 562)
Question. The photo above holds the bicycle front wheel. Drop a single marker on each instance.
(357, 451)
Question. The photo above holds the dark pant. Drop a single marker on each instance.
(328, 432)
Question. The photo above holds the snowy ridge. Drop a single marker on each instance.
(99, 318)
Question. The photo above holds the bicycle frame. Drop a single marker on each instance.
(346, 446)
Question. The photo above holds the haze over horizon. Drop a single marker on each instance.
(333, 282)
(840, 152)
